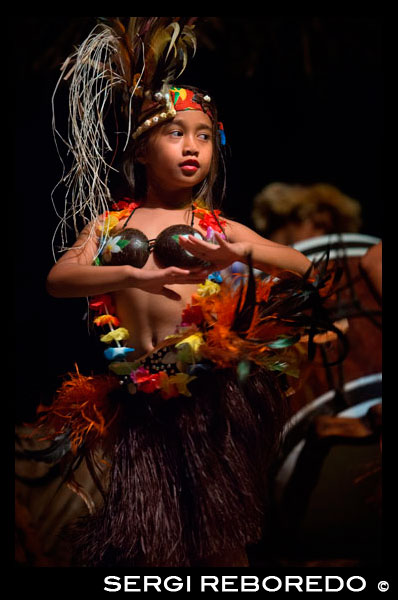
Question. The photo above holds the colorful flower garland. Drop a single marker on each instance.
(205, 335)
(133, 373)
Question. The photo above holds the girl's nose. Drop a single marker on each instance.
(190, 146)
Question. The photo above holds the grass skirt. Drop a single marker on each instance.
(188, 475)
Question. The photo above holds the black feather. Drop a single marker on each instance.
(244, 315)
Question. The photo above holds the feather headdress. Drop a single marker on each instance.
(133, 59)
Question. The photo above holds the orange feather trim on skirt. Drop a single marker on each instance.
(226, 347)
(83, 406)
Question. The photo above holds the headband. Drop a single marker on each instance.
(166, 104)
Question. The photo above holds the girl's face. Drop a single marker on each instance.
(178, 154)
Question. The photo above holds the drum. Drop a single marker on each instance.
(339, 244)
(326, 482)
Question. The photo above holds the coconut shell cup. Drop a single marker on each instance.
(169, 253)
(126, 247)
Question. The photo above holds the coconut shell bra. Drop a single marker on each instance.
(130, 246)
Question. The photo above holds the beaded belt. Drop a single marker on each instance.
(161, 360)
(159, 372)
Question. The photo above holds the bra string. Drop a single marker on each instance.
(129, 217)
(219, 224)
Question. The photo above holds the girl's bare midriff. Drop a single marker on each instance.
(148, 317)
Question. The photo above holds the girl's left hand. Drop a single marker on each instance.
(220, 256)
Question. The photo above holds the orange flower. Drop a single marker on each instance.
(208, 219)
(107, 319)
(167, 388)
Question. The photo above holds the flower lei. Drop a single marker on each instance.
(134, 374)
(209, 220)
(194, 350)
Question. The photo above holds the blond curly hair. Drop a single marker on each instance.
(322, 203)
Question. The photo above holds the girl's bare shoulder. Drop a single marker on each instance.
(237, 232)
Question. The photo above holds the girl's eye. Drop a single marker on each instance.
(179, 133)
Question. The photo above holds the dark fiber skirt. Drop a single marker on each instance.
(188, 475)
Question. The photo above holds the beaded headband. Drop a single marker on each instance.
(166, 104)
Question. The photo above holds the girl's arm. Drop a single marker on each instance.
(267, 256)
(74, 275)
(69, 279)
(271, 259)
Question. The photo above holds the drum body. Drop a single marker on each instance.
(326, 484)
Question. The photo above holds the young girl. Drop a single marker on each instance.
(190, 415)
(177, 157)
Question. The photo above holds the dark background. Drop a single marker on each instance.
(301, 99)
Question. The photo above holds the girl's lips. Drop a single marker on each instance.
(189, 168)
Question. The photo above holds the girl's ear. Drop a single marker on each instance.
(140, 157)
(140, 154)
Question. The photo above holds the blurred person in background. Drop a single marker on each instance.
(289, 213)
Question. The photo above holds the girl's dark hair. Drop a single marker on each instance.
(213, 187)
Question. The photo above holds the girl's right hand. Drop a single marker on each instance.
(155, 280)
